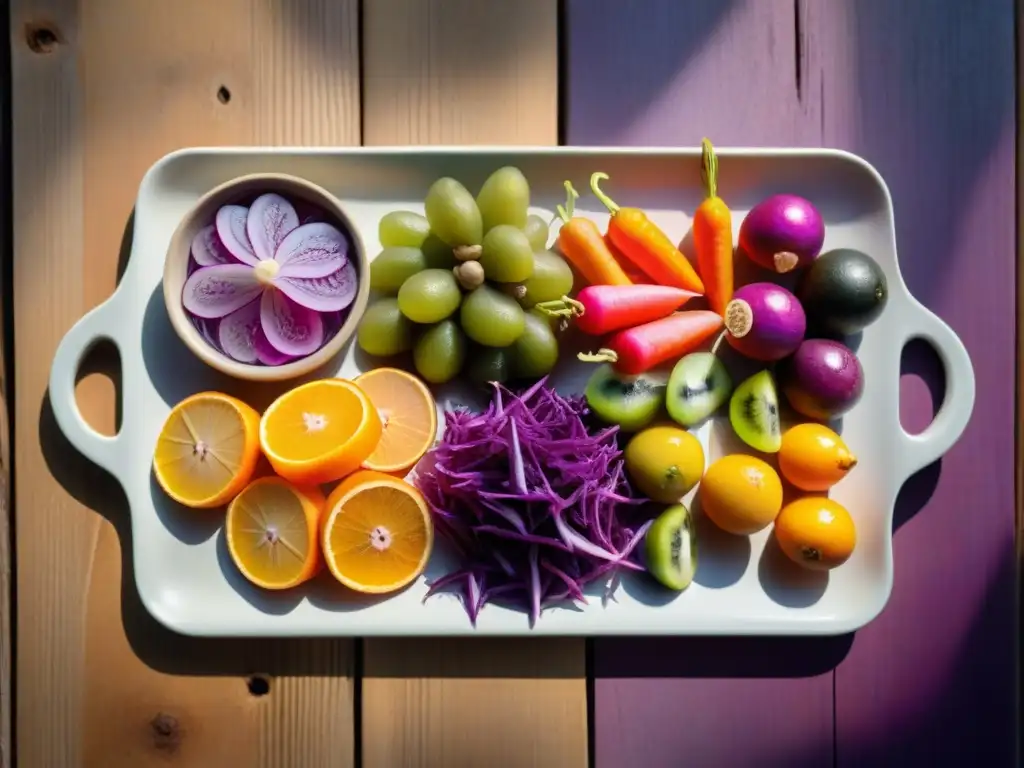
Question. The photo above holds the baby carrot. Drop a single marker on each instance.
(638, 349)
(642, 242)
(582, 243)
(712, 236)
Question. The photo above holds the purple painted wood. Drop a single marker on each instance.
(925, 92)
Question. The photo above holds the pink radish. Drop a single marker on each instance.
(270, 219)
(231, 226)
(600, 309)
(290, 328)
(213, 292)
(237, 332)
(636, 350)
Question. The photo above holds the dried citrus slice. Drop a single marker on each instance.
(272, 530)
(319, 431)
(207, 449)
(408, 414)
(377, 534)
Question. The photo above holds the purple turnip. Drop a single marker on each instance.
(822, 380)
(764, 322)
(782, 232)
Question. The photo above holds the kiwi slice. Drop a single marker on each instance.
(487, 364)
(698, 386)
(754, 413)
(632, 402)
(671, 548)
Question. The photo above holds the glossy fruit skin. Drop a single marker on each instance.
(384, 330)
(813, 457)
(453, 213)
(741, 494)
(507, 256)
(403, 229)
(843, 292)
(488, 364)
(504, 198)
(440, 352)
(491, 318)
(670, 548)
(429, 296)
(393, 266)
(537, 232)
(664, 462)
(535, 352)
(816, 533)
(552, 279)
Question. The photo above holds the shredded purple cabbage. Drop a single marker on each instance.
(536, 505)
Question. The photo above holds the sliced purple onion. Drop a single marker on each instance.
(332, 293)
(208, 250)
(231, 229)
(269, 220)
(265, 351)
(312, 250)
(208, 330)
(213, 292)
(237, 333)
(290, 328)
(308, 212)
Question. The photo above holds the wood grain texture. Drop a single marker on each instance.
(6, 560)
(678, 72)
(465, 72)
(924, 92)
(104, 89)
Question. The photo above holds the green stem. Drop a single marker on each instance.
(602, 356)
(563, 307)
(566, 212)
(610, 204)
(709, 168)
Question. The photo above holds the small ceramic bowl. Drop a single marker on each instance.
(241, 191)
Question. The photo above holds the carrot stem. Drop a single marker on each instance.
(603, 356)
(563, 307)
(565, 212)
(709, 168)
(610, 204)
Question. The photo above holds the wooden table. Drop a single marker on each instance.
(924, 90)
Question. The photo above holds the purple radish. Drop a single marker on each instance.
(265, 351)
(323, 294)
(290, 328)
(270, 219)
(213, 292)
(237, 333)
(782, 232)
(312, 250)
(822, 380)
(231, 225)
(207, 249)
(764, 322)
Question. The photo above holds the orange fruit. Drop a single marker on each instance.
(319, 431)
(408, 414)
(741, 494)
(813, 457)
(207, 450)
(816, 532)
(377, 534)
(272, 529)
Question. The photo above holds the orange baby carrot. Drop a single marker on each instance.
(644, 244)
(582, 243)
(712, 236)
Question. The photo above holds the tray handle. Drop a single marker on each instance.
(952, 417)
(97, 325)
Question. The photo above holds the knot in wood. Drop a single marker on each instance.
(166, 732)
(42, 37)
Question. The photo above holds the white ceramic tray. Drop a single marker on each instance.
(184, 576)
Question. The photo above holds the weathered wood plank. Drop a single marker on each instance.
(670, 74)
(106, 89)
(465, 72)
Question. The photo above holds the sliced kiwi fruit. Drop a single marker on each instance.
(754, 413)
(632, 402)
(671, 548)
(698, 386)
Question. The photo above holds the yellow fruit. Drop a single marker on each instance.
(378, 533)
(741, 494)
(207, 450)
(664, 462)
(408, 414)
(813, 457)
(319, 431)
(272, 530)
(816, 532)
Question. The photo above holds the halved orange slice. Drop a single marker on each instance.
(272, 531)
(207, 450)
(319, 431)
(377, 534)
(408, 414)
